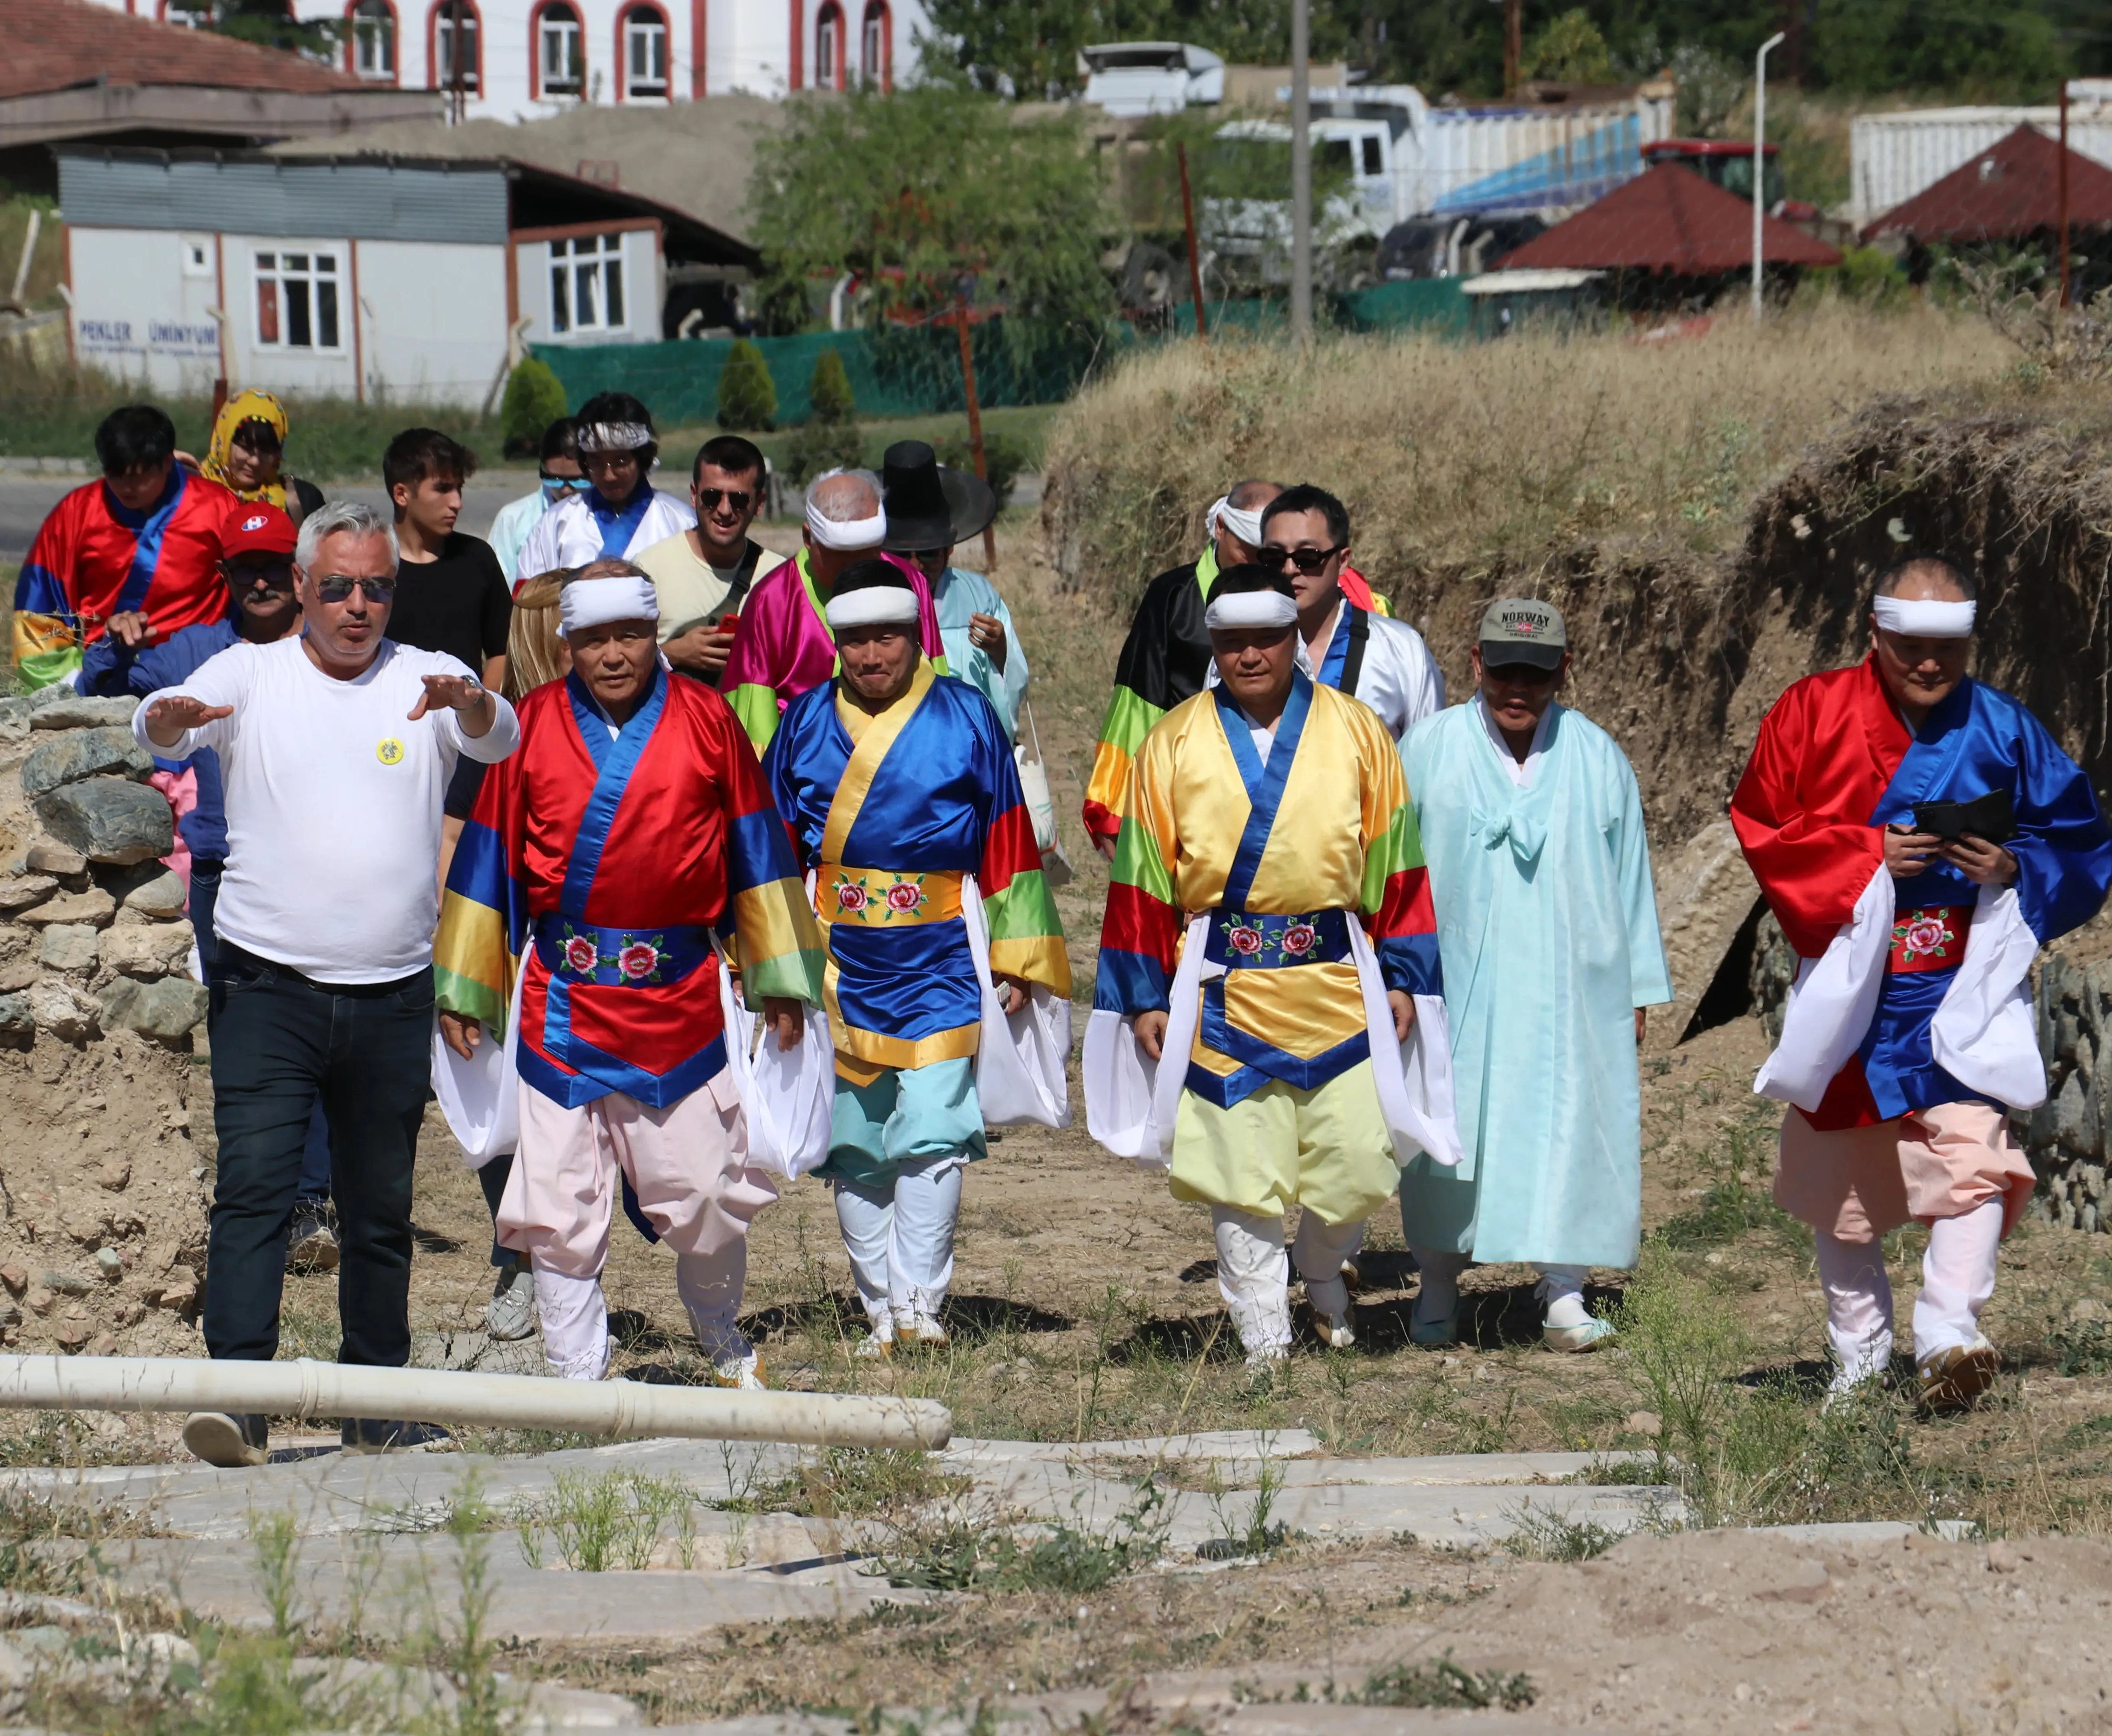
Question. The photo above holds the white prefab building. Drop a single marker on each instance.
(520, 60)
(358, 276)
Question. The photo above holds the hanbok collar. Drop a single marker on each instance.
(1520, 774)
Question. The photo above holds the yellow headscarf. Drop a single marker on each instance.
(246, 406)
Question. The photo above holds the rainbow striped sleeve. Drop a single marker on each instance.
(781, 949)
(1140, 935)
(484, 915)
(1129, 716)
(1025, 935)
(46, 631)
(1395, 895)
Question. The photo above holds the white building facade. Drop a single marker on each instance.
(522, 60)
(355, 277)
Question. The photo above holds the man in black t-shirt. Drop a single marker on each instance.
(451, 592)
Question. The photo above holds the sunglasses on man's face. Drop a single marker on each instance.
(332, 587)
(565, 482)
(1521, 675)
(736, 499)
(1305, 560)
(276, 579)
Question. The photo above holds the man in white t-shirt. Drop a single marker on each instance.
(335, 749)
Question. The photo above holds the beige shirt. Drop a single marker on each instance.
(689, 589)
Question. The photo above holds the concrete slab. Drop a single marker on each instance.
(1215, 1444)
(1871, 1531)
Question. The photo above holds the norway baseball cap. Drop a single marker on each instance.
(257, 527)
(1523, 630)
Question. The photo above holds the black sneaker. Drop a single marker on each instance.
(373, 1434)
(311, 1237)
(231, 1439)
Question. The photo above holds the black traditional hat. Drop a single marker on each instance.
(931, 505)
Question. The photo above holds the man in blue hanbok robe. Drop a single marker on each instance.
(1547, 928)
(1909, 1036)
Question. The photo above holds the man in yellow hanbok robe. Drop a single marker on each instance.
(1309, 955)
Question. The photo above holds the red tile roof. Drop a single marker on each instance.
(2003, 192)
(60, 44)
(1669, 219)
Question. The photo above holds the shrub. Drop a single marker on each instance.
(748, 395)
(816, 446)
(1003, 456)
(829, 391)
(533, 400)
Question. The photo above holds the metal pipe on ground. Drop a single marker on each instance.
(614, 1409)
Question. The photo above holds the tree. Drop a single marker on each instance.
(748, 395)
(932, 191)
(1569, 49)
(271, 24)
(830, 437)
(533, 399)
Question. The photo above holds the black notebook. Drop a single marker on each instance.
(1989, 816)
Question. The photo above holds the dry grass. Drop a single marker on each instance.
(1458, 456)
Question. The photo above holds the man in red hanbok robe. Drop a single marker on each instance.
(1919, 836)
(632, 823)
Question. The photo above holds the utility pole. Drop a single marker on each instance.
(458, 75)
(1513, 46)
(1301, 171)
(975, 417)
(2061, 195)
(1187, 222)
(1760, 155)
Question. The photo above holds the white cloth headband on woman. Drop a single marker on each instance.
(612, 437)
(1243, 524)
(1249, 609)
(594, 602)
(872, 605)
(1924, 618)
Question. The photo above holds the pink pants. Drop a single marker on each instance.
(1940, 1162)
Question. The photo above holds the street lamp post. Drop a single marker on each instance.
(1301, 171)
(1760, 155)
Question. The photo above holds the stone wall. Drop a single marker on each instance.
(102, 1190)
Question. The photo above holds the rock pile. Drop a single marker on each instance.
(102, 1191)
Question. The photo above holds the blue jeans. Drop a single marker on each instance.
(280, 1042)
(205, 893)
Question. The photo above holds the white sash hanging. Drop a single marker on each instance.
(1414, 1077)
(1832, 1002)
(1132, 1100)
(1983, 1036)
(786, 1094)
(481, 1097)
(1021, 1058)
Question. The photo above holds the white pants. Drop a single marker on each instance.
(1561, 1289)
(1957, 1278)
(1255, 1282)
(687, 1163)
(574, 1314)
(900, 1238)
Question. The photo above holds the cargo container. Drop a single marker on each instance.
(1894, 157)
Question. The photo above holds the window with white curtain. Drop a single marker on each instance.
(586, 285)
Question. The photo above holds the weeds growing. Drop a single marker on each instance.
(1443, 1685)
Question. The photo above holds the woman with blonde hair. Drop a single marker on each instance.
(534, 654)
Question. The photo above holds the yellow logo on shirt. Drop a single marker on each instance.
(389, 750)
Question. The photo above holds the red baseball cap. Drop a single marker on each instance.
(257, 527)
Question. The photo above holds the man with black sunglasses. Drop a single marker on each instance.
(335, 748)
(701, 575)
(1353, 649)
(1547, 929)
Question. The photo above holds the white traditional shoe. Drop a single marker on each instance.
(1951, 1380)
(1337, 1331)
(1266, 1359)
(921, 1330)
(878, 1345)
(1575, 1340)
(743, 1373)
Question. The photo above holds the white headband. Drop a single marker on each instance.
(854, 532)
(1243, 524)
(1924, 618)
(612, 437)
(872, 605)
(594, 602)
(1238, 609)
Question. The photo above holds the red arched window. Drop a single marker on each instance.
(828, 46)
(643, 49)
(558, 51)
(876, 46)
(454, 38)
(370, 40)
